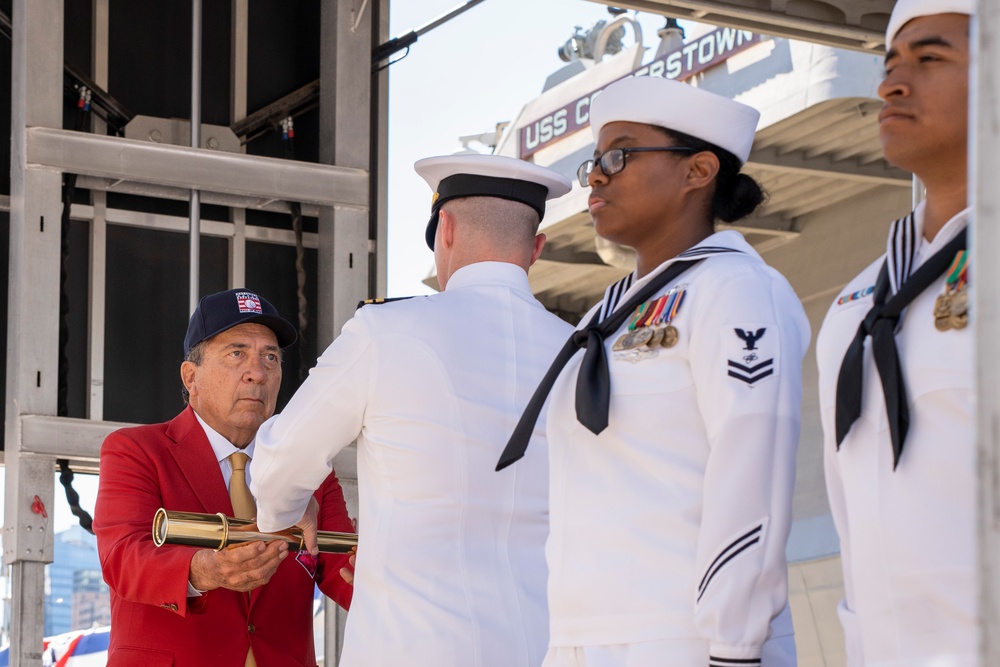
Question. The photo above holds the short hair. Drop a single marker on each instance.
(195, 355)
(499, 223)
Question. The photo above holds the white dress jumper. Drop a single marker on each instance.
(668, 529)
(907, 537)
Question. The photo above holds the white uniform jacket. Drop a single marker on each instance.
(450, 568)
(907, 538)
(672, 523)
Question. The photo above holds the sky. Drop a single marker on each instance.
(460, 79)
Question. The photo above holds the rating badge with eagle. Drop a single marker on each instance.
(753, 353)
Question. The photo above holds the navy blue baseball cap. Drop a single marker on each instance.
(224, 310)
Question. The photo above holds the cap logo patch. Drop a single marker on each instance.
(248, 302)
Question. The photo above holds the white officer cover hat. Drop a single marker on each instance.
(907, 10)
(680, 107)
(471, 175)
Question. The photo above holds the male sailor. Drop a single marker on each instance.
(895, 368)
(450, 565)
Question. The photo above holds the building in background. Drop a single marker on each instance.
(91, 601)
(76, 596)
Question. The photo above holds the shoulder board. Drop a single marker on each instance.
(375, 302)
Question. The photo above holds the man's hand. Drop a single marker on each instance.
(241, 568)
(309, 524)
(347, 573)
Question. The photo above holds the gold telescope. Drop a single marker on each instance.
(218, 531)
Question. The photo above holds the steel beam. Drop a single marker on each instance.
(239, 38)
(238, 247)
(27, 621)
(183, 167)
(345, 234)
(238, 67)
(775, 23)
(876, 173)
(32, 321)
(984, 173)
(183, 194)
(777, 226)
(343, 269)
(177, 132)
(345, 128)
(267, 119)
(194, 208)
(380, 152)
(97, 291)
(98, 229)
(173, 223)
(64, 437)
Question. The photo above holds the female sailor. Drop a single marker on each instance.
(672, 434)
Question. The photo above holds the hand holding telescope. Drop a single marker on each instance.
(218, 531)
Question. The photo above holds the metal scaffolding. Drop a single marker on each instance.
(340, 190)
(984, 193)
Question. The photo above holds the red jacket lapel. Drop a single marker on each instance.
(196, 459)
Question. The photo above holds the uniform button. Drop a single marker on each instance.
(171, 606)
(251, 629)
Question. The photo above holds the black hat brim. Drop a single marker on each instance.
(460, 186)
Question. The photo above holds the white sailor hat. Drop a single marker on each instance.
(470, 175)
(907, 10)
(677, 106)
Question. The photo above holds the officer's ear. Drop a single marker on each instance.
(446, 230)
(536, 249)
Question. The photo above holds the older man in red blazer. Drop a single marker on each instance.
(184, 606)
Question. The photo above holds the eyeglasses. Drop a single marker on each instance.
(612, 161)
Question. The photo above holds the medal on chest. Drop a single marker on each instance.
(651, 327)
(669, 334)
(951, 309)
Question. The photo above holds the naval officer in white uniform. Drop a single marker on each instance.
(672, 437)
(896, 381)
(450, 566)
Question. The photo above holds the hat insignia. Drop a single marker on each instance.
(248, 302)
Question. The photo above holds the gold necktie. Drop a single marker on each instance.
(243, 504)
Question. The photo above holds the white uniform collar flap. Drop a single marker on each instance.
(491, 274)
(726, 241)
(905, 248)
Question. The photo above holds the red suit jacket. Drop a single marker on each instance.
(153, 621)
